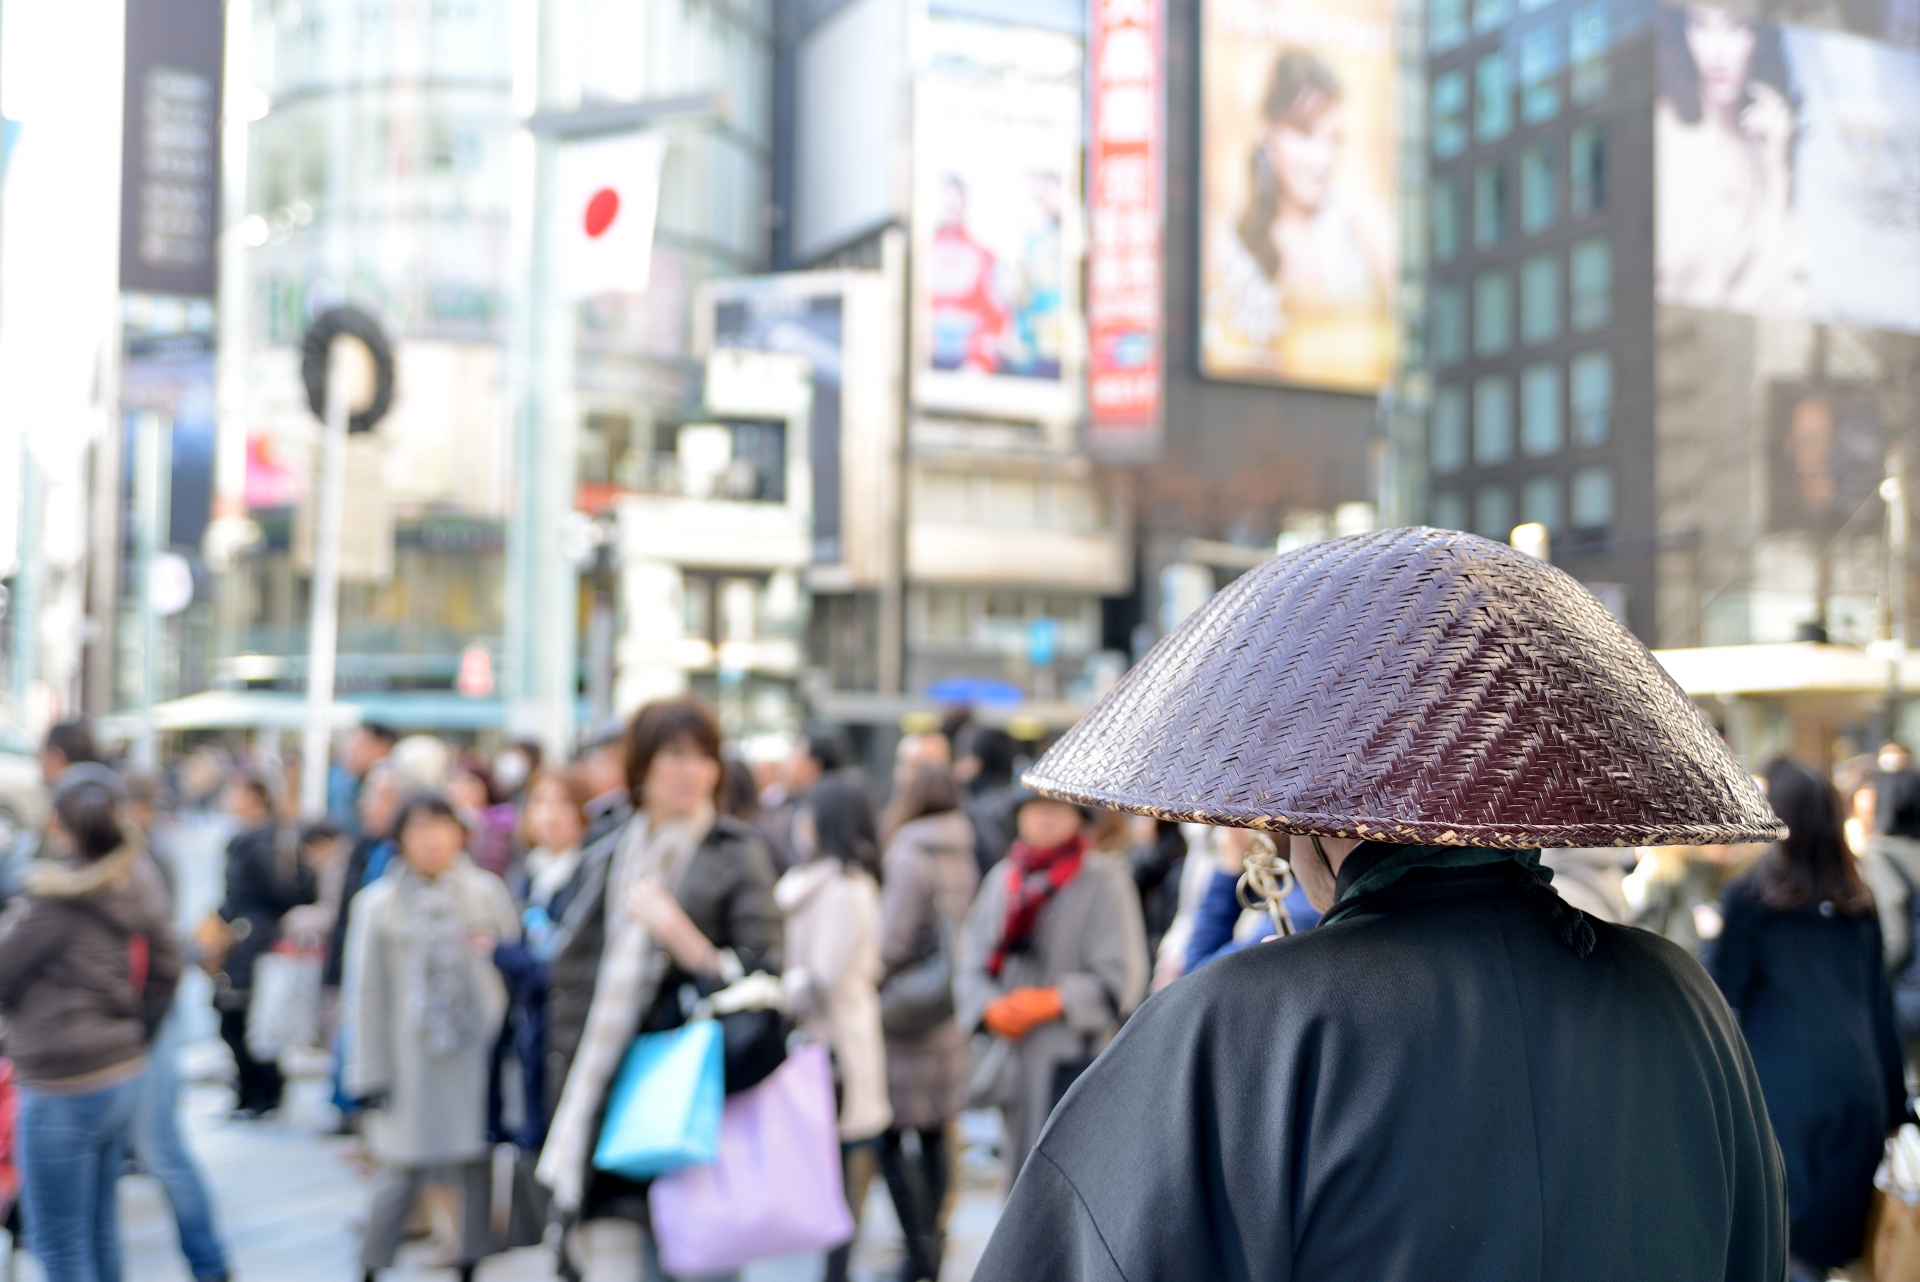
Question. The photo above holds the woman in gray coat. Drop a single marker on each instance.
(1052, 959)
(930, 876)
(427, 1005)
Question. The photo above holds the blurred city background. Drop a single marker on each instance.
(885, 365)
(941, 353)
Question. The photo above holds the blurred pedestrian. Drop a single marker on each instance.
(1158, 852)
(1455, 1074)
(1051, 959)
(157, 1144)
(1675, 890)
(68, 743)
(264, 878)
(367, 860)
(683, 899)
(915, 750)
(88, 968)
(984, 769)
(1800, 962)
(1594, 881)
(426, 1005)
(423, 763)
(514, 767)
(930, 878)
(831, 899)
(552, 825)
(489, 817)
(739, 794)
(601, 766)
(817, 754)
(367, 745)
(1891, 867)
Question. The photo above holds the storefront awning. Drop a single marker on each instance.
(404, 710)
(1801, 667)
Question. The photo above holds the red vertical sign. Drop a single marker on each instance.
(1124, 329)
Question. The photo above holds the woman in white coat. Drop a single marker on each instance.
(426, 1005)
(831, 899)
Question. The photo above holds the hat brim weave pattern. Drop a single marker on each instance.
(1414, 686)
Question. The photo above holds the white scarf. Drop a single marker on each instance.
(629, 975)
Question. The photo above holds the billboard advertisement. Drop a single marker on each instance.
(1299, 259)
(995, 280)
(1828, 455)
(1788, 171)
(1124, 164)
(170, 155)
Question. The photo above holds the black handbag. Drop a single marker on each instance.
(752, 1044)
(918, 996)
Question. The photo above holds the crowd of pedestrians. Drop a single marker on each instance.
(478, 944)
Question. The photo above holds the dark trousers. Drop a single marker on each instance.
(394, 1191)
(919, 1175)
(257, 1085)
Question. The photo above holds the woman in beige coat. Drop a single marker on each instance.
(831, 899)
(930, 879)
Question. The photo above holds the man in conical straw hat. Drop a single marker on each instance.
(1456, 1076)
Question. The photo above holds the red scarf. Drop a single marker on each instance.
(1033, 877)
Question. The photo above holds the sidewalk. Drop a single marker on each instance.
(289, 1206)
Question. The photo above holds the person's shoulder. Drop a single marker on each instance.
(741, 844)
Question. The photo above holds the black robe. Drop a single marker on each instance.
(1433, 1087)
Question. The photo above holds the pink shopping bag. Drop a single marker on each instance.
(776, 1187)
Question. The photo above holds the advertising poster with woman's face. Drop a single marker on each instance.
(1788, 170)
(996, 176)
(1299, 261)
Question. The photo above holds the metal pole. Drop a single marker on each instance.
(25, 604)
(324, 613)
(149, 502)
(1894, 491)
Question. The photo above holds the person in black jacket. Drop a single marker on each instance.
(264, 879)
(1799, 959)
(1456, 1075)
(675, 904)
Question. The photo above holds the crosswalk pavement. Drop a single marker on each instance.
(290, 1205)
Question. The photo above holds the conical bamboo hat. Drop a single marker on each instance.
(1415, 686)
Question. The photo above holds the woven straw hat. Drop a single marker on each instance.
(1414, 686)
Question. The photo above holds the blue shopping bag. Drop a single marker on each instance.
(663, 1112)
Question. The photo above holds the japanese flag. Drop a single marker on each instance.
(609, 194)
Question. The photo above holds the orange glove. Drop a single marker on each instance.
(1023, 1010)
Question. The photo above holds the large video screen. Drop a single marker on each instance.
(1788, 170)
(1299, 258)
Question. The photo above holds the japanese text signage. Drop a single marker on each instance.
(1124, 398)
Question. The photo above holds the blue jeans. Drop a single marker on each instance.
(70, 1149)
(163, 1154)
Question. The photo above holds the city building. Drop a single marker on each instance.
(1672, 312)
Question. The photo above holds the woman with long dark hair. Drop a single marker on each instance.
(831, 899)
(931, 879)
(1799, 960)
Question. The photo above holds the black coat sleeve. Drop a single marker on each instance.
(1047, 1232)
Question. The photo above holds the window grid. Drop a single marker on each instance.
(1540, 501)
(1446, 25)
(1590, 283)
(1449, 114)
(1492, 420)
(1590, 501)
(1587, 159)
(1493, 98)
(1448, 441)
(1492, 313)
(1537, 196)
(1590, 379)
(1539, 299)
(1493, 511)
(1540, 410)
(1448, 329)
(1445, 212)
(1587, 51)
(1540, 74)
(1489, 204)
